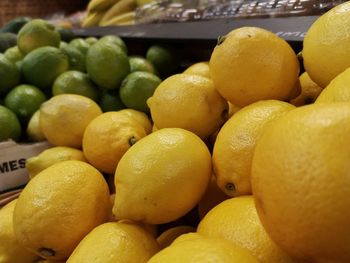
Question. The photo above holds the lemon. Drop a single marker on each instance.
(10, 250)
(34, 132)
(337, 90)
(158, 166)
(190, 102)
(300, 179)
(42, 66)
(169, 235)
(107, 64)
(309, 91)
(37, 33)
(58, 207)
(232, 109)
(63, 118)
(115, 242)
(10, 127)
(236, 220)
(196, 248)
(200, 69)
(140, 117)
(251, 64)
(51, 156)
(326, 46)
(108, 137)
(137, 88)
(9, 75)
(237, 140)
(212, 197)
(75, 82)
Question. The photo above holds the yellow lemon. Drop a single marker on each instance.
(115, 242)
(232, 109)
(300, 181)
(169, 235)
(251, 64)
(236, 220)
(10, 250)
(200, 69)
(326, 46)
(170, 169)
(34, 131)
(63, 118)
(203, 249)
(108, 137)
(236, 141)
(51, 156)
(189, 102)
(309, 91)
(337, 90)
(58, 207)
(140, 117)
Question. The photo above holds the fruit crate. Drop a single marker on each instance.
(10, 9)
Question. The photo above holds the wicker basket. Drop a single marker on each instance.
(10, 9)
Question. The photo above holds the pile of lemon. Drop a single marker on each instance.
(232, 166)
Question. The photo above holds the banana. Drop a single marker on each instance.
(125, 19)
(121, 7)
(100, 5)
(92, 19)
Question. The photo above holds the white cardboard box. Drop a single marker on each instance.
(13, 173)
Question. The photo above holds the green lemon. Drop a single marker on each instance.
(9, 75)
(75, 82)
(137, 88)
(138, 63)
(110, 101)
(164, 58)
(107, 65)
(80, 44)
(24, 100)
(13, 54)
(37, 33)
(10, 128)
(115, 40)
(91, 40)
(75, 57)
(42, 66)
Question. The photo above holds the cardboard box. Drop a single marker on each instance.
(13, 173)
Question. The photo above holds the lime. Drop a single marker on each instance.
(10, 128)
(110, 101)
(42, 66)
(115, 40)
(75, 57)
(137, 88)
(37, 33)
(164, 58)
(138, 63)
(91, 40)
(75, 82)
(80, 44)
(13, 54)
(9, 75)
(107, 64)
(65, 33)
(24, 100)
(63, 44)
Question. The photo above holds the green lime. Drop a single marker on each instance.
(164, 58)
(42, 66)
(10, 128)
(80, 44)
(9, 75)
(75, 82)
(110, 101)
(34, 132)
(107, 65)
(37, 33)
(63, 44)
(138, 63)
(115, 40)
(136, 88)
(7, 40)
(75, 57)
(65, 33)
(24, 100)
(13, 54)
(91, 40)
